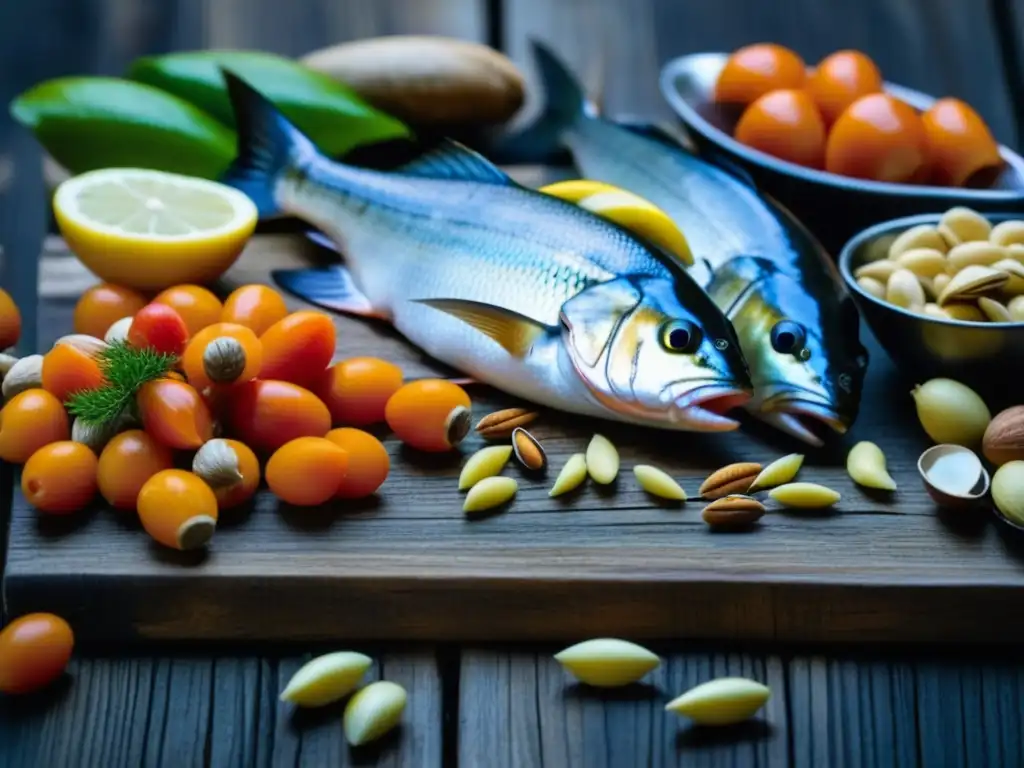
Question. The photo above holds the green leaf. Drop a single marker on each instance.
(126, 369)
(102, 122)
(330, 113)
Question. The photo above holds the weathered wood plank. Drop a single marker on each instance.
(209, 711)
(521, 709)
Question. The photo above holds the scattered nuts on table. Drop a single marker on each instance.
(373, 711)
(573, 473)
(865, 464)
(733, 511)
(734, 478)
(326, 679)
(486, 462)
(779, 472)
(804, 496)
(724, 701)
(602, 460)
(607, 662)
(658, 483)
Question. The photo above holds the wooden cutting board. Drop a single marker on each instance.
(408, 564)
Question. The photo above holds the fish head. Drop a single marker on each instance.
(803, 346)
(657, 350)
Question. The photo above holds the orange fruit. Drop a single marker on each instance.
(959, 143)
(877, 137)
(34, 651)
(368, 462)
(198, 306)
(306, 471)
(175, 414)
(126, 463)
(298, 348)
(30, 420)
(357, 390)
(67, 370)
(60, 478)
(192, 360)
(840, 79)
(267, 414)
(787, 125)
(255, 306)
(103, 305)
(244, 489)
(10, 321)
(429, 414)
(178, 509)
(754, 70)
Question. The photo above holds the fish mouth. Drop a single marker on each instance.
(703, 408)
(805, 419)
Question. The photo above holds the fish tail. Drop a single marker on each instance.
(268, 145)
(564, 103)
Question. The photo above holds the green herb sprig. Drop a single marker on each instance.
(126, 369)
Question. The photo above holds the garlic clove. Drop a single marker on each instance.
(953, 475)
(224, 359)
(90, 345)
(118, 330)
(27, 373)
(216, 463)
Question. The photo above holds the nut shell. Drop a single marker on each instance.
(731, 479)
(733, 511)
(1004, 437)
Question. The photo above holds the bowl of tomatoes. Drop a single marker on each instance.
(835, 143)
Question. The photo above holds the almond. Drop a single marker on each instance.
(1004, 436)
(529, 452)
(501, 423)
(734, 478)
(732, 511)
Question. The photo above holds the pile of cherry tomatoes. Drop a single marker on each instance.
(838, 118)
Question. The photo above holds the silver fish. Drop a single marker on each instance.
(797, 324)
(527, 293)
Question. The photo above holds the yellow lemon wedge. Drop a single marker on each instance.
(645, 219)
(150, 229)
(574, 190)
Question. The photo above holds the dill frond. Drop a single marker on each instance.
(126, 369)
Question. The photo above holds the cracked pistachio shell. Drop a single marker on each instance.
(866, 465)
(779, 472)
(658, 483)
(486, 462)
(970, 282)
(572, 474)
(326, 679)
(373, 711)
(607, 662)
(723, 701)
(1015, 270)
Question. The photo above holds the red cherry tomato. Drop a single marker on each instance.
(160, 327)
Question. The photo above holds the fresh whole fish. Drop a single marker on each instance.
(797, 324)
(527, 293)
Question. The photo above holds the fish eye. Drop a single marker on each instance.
(680, 336)
(788, 337)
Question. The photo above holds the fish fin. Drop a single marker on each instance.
(513, 331)
(564, 103)
(332, 287)
(267, 145)
(451, 160)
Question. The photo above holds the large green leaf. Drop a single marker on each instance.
(101, 122)
(332, 115)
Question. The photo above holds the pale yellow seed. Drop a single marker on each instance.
(1015, 251)
(373, 711)
(921, 236)
(939, 283)
(326, 679)
(573, 473)
(658, 483)
(804, 495)
(1007, 233)
(602, 460)
(866, 465)
(993, 310)
(490, 492)
(973, 253)
(934, 310)
(879, 270)
(1016, 309)
(966, 224)
(963, 311)
(724, 701)
(923, 262)
(779, 472)
(904, 290)
(486, 462)
(1014, 286)
(607, 662)
(870, 285)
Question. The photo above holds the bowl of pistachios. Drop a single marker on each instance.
(944, 293)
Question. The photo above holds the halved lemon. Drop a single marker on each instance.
(151, 229)
(629, 211)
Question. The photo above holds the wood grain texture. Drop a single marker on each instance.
(409, 564)
(521, 709)
(942, 47)
(210, 711)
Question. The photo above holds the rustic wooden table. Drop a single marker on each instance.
(509, 706)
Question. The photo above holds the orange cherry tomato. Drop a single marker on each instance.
(192, 360)
(786, 125)
(298, 348)
(267, 414)
(30, 420)
(959, 143)
(103, 305)
(175, 414)
(160, 327)
(429, 414)
(368, 462)
(878, 137)
(840, 79)
(306, 471)
(197, 306)
(67, 370)
(10, 321)
(34, 651)
(178, 509)
(60, 478)
(754, 70)
(257, 307)
(357, 390)
(126, 463)
(249, 468)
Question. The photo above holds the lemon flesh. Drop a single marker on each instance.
(149, 229)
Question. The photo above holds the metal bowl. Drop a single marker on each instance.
(985, 356)
(834, 207)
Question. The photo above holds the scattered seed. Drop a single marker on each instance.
(724, 701)
(528, 450)
(573, 473)
(804, 495)
(602, 460)
(607, 662)
(779, 472)
(486, 462)
(224, 359)
(501, 423)
(658, 483)
(216, 463)
(733, 511)
(326, 679)
(734, 478)
(373, 711)
(490, 492)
